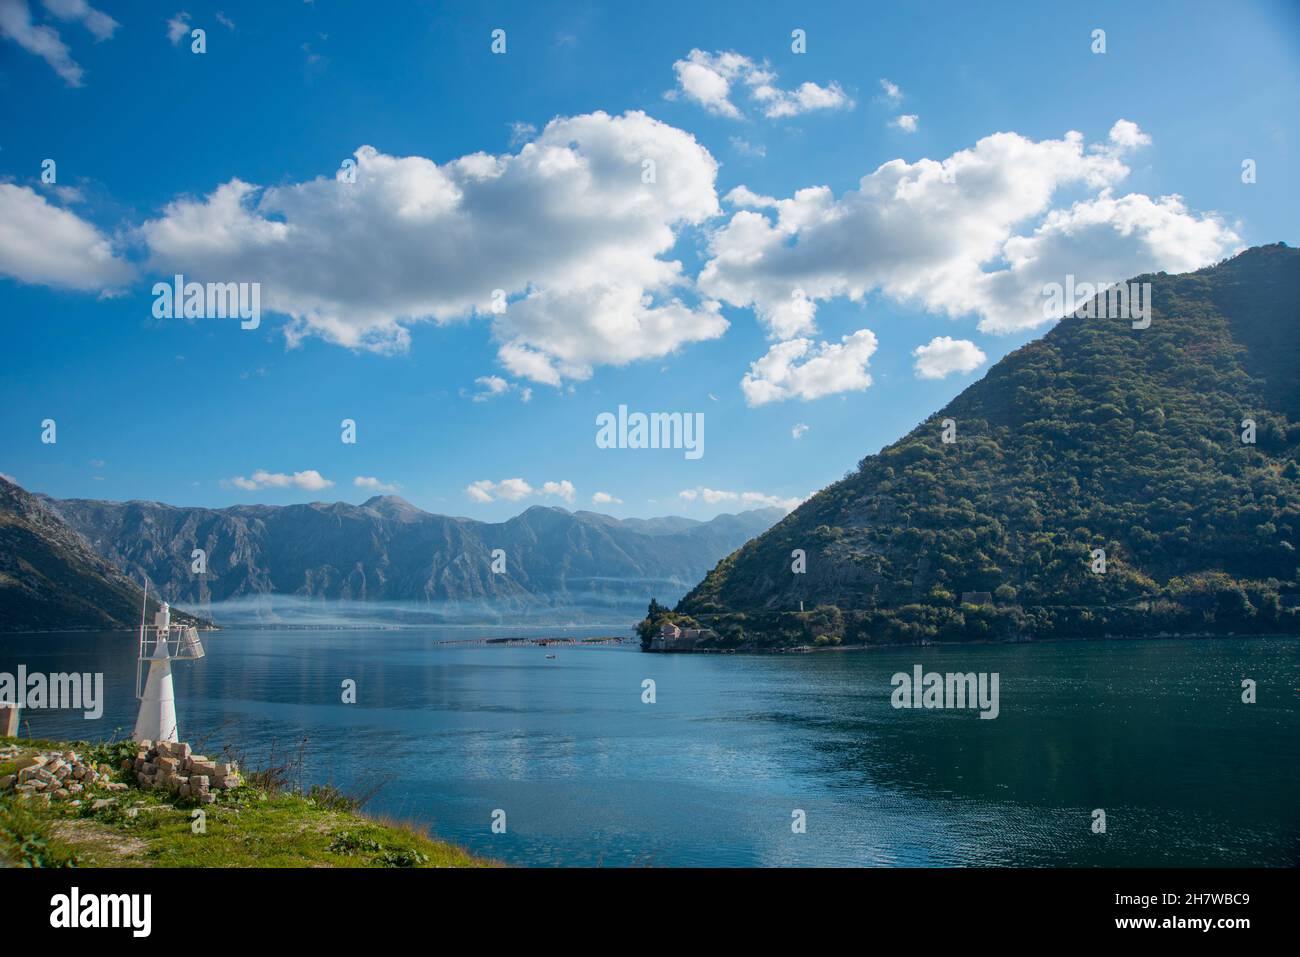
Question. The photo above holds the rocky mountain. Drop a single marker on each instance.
(387, 550)
(1103, 479)
(51, 580)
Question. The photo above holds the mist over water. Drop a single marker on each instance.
(614, 607)
(1153, 732)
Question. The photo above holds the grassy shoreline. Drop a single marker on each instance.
(250, 826)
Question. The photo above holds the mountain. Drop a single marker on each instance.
(51, 580)
(1098, 436)
(387, 550)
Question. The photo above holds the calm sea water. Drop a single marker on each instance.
(1153, 732)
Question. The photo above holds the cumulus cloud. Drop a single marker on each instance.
(798, 431)
(943, 355)
(562, 490)
(42, 243)
(491, 386)
(44, 41)
(907, 122)
(516, 489)
(565, 229)
(604, 498)
(892, 92)
(372, 484)
(708, 79)
(713, 496)
(951, 235)
(798, 369)
(310, 480)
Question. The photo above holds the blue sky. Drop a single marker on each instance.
(659, 296)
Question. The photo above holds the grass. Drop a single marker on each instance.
(248, 827)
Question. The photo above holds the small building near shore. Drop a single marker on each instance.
(673, 638)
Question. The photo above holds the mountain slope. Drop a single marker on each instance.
(49, 577)
(1096, 436)
(388, 550)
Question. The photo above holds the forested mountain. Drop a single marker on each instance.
(388, 550)
(1096, 437)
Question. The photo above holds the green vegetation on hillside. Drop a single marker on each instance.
(1096, 436)
(256, 825)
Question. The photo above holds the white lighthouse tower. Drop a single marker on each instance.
(160, 644)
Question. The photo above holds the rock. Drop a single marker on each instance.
(207, 797)
(228, 782)
(60, 793)
(167, 763)
(8, 780)
(199, 783)
(100, 803)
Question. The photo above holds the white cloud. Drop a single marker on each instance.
(225, 21)
(562, 489)
(713, 496)
(707, 79)
(892, 92)
(309, 480)
(907, 122)
(41, 243)
(604, 498)
(565, 227)
(372, 484)
(178, 26)
(746, 148)
(943, 356)
(44, 41)
(925, 232)
(100, 25)
(521, 133)
(516, 489)
(491, 386)
(798, 431)
(825, 369)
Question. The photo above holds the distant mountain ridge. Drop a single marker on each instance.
(1096, 438)
(51, 580)
(388, 550)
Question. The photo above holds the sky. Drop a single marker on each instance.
(812, 225)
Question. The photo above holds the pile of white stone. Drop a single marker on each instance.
(55, 775)
(174, 766)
